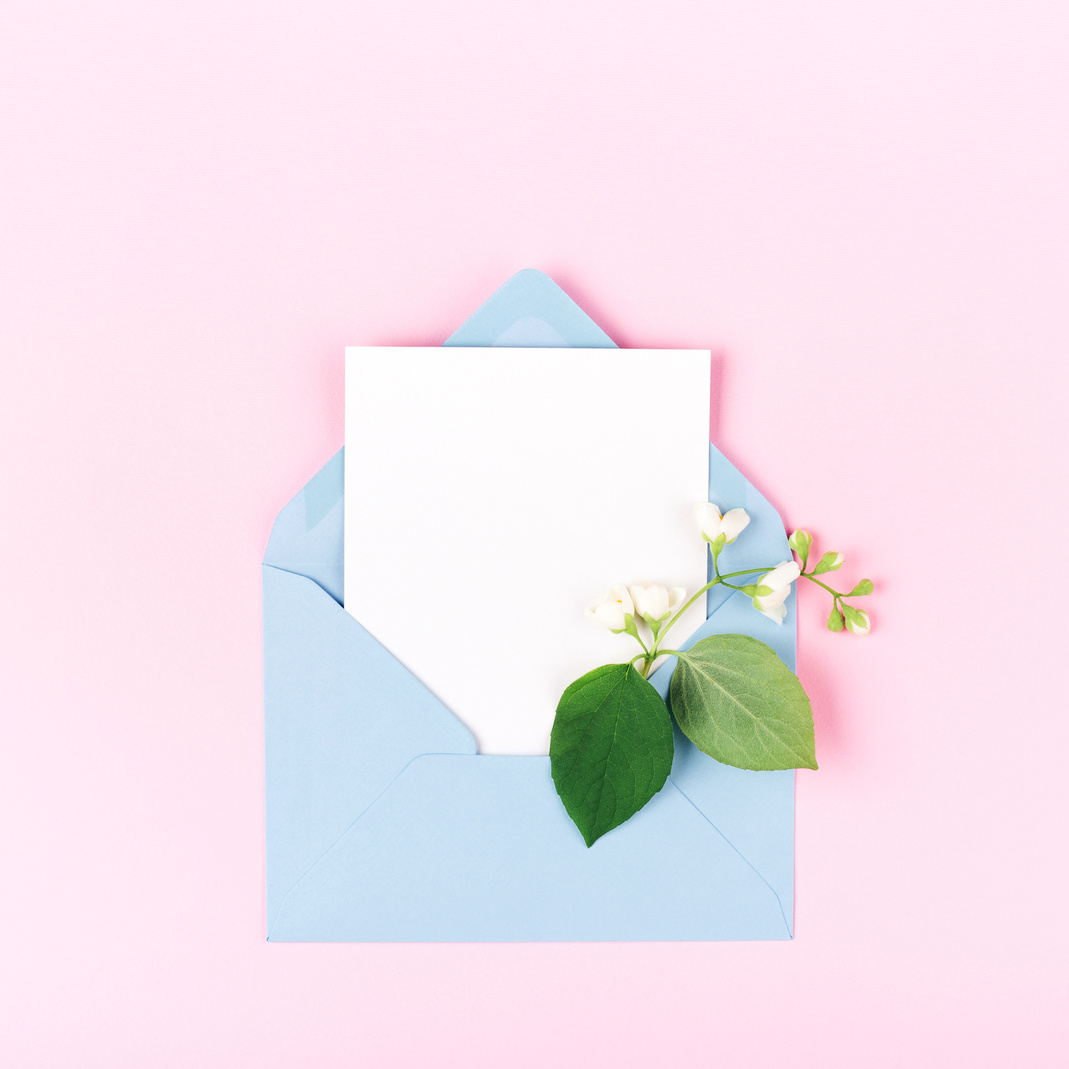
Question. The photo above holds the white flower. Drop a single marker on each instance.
(779, 583)
(614, 610)
(730, 525)
(654, 602)
(857, 621)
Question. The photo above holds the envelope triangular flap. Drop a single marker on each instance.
(531, 311)
(306, 537)
(488, 854)
(342, 718)
(368, 841)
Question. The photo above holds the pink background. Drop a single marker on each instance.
(861, 207)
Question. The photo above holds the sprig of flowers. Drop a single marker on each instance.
(612, 742)
(658, 607)
(855, 620)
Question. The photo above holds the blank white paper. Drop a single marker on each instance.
(492, 496)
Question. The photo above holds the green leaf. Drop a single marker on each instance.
(835, 619)
(610, 749)
(865, 586)
(738, 702)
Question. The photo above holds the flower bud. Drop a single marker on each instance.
(614, 611)
(655, 603)
(857, 620)
(778, 584)
(800, 542)
(830, 562)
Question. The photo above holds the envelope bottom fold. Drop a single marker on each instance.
(478, 848)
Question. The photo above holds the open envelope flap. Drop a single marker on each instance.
(383, 823)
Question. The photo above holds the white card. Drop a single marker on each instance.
(493, 495)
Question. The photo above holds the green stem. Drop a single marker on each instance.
(718, 578)
(834, 593)
(708, 586)
(648, 656)
(748, 571)
(648, 659)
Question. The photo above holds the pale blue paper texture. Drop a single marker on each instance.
(384, 824)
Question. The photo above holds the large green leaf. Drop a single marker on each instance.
(611, 748)
(738, 702)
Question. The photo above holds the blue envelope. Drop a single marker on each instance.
(384, 824)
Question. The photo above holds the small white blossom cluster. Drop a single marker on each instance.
(843, 615)
(651, 601)
(654, 603)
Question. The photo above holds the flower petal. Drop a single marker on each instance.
(783, 574)
(610, 614)
(777, 597)
(709, 518)
(654, 601)
(776, 613)
(734, 523)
